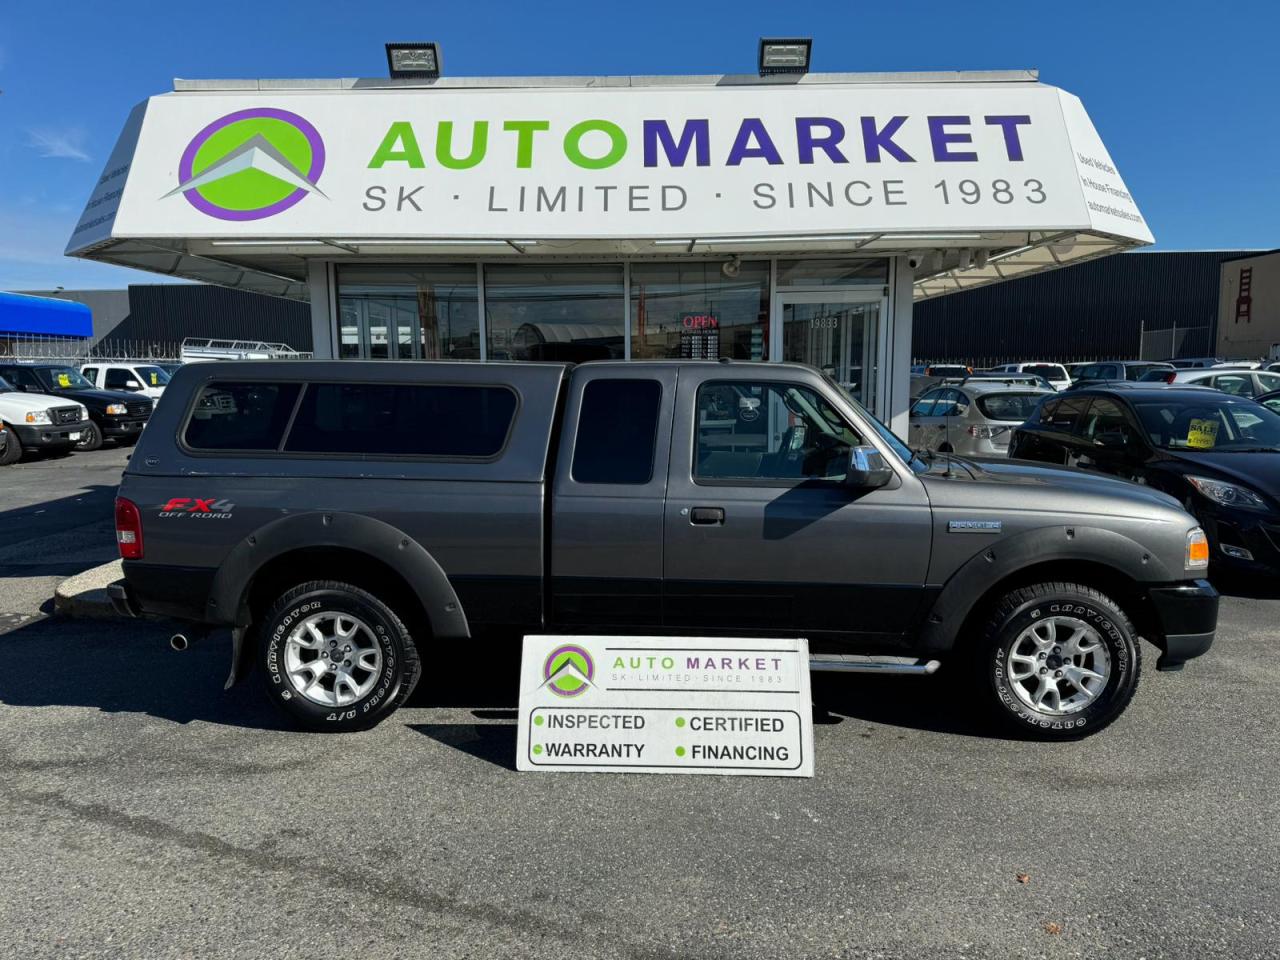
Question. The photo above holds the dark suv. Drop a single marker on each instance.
(346, 518)
(113, 414)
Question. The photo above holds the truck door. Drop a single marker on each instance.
(608, 499)
(763, 535)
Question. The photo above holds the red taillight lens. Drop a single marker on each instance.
(1170, 376)
(128, 529)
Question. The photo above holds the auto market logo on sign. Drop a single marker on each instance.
(251, 164)
(568, 671)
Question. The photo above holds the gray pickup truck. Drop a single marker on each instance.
(346, 518)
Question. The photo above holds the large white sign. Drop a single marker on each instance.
(637, 163)
(665, 705)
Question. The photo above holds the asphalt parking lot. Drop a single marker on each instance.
(146, 813)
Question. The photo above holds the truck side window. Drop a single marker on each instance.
(240, 416)
(403, 420)
(617, 430)
(118, 378)
(769, 431)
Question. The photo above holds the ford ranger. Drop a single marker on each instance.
(345, 518)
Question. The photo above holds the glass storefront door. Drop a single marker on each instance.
(838, 335)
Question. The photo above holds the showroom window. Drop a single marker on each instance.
(694, 310)
(408, 313)
(569, 313)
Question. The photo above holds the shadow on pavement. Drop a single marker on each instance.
(128, 668)
(492, 742)
(936, 704)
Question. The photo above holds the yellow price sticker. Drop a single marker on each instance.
(1202, 434)
(64, 380)
(155, 380)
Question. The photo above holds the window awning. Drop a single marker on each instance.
(978, 177)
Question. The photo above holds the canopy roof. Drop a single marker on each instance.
(44, 316)
(980, 176)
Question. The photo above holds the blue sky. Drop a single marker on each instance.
(1185, 95)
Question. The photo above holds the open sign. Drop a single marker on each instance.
(700, 321)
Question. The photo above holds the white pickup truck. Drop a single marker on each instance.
(134, 376)
(37, 421)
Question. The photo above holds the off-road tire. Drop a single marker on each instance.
(1016, 612)
(398, 675)
(91, 438)
(12, 452)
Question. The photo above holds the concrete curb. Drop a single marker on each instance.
(84, 596)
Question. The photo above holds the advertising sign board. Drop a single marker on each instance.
(665, 705)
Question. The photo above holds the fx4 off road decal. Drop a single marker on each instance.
(194, 508)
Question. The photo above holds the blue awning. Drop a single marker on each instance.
(21, 314)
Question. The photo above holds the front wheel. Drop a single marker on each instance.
(1058, 661)
(90, 437)
(335, 657)
(12, 451)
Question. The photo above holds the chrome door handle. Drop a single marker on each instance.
(706, 516)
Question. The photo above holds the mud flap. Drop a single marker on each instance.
(241, 650)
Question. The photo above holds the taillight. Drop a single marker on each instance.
(128, 529)
(1171, 376)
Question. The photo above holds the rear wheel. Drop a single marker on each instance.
(335, 657)
(1058, 661)
(12, 452)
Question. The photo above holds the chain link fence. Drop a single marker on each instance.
(1173, 342)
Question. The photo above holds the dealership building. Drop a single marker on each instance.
(772, 217)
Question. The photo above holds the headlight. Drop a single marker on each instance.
(116, 409)
(38, 416)
(1197, 549)
(1228, 494)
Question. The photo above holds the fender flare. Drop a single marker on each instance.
(344, 531)
(1003, 558)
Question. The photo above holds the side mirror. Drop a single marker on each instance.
(1113, 440)
(132, 385)
(867, 469)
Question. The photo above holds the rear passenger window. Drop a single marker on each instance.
(403, 420)
(241, 416)
(617, 430)
(1062, 415)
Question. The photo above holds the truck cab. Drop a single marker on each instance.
(344, 517)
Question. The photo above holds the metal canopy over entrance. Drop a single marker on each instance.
(971, 178)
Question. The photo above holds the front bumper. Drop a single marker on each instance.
(36, 435)
(115, 427)
(1187, 614)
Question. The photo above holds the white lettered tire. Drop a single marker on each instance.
(1058, 661)
(335, 657)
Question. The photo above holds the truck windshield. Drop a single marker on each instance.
(888, 436)
(152, 376)
(63, 378)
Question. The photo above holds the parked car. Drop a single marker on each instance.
(1194, 363)
(1120, 370)
(131, 376)
(1219, 455)
(33, 421)
(347, 515)
(113, 415)
(1055, 373)
(974, 417)
(1239, 382)
(946, 370)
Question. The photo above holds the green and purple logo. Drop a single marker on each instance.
(568, 671)
(251, 164)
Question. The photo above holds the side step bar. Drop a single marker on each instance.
(847, 663)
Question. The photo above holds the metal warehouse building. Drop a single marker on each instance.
(1146, 305)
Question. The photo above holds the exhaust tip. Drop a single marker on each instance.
(179, 642)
